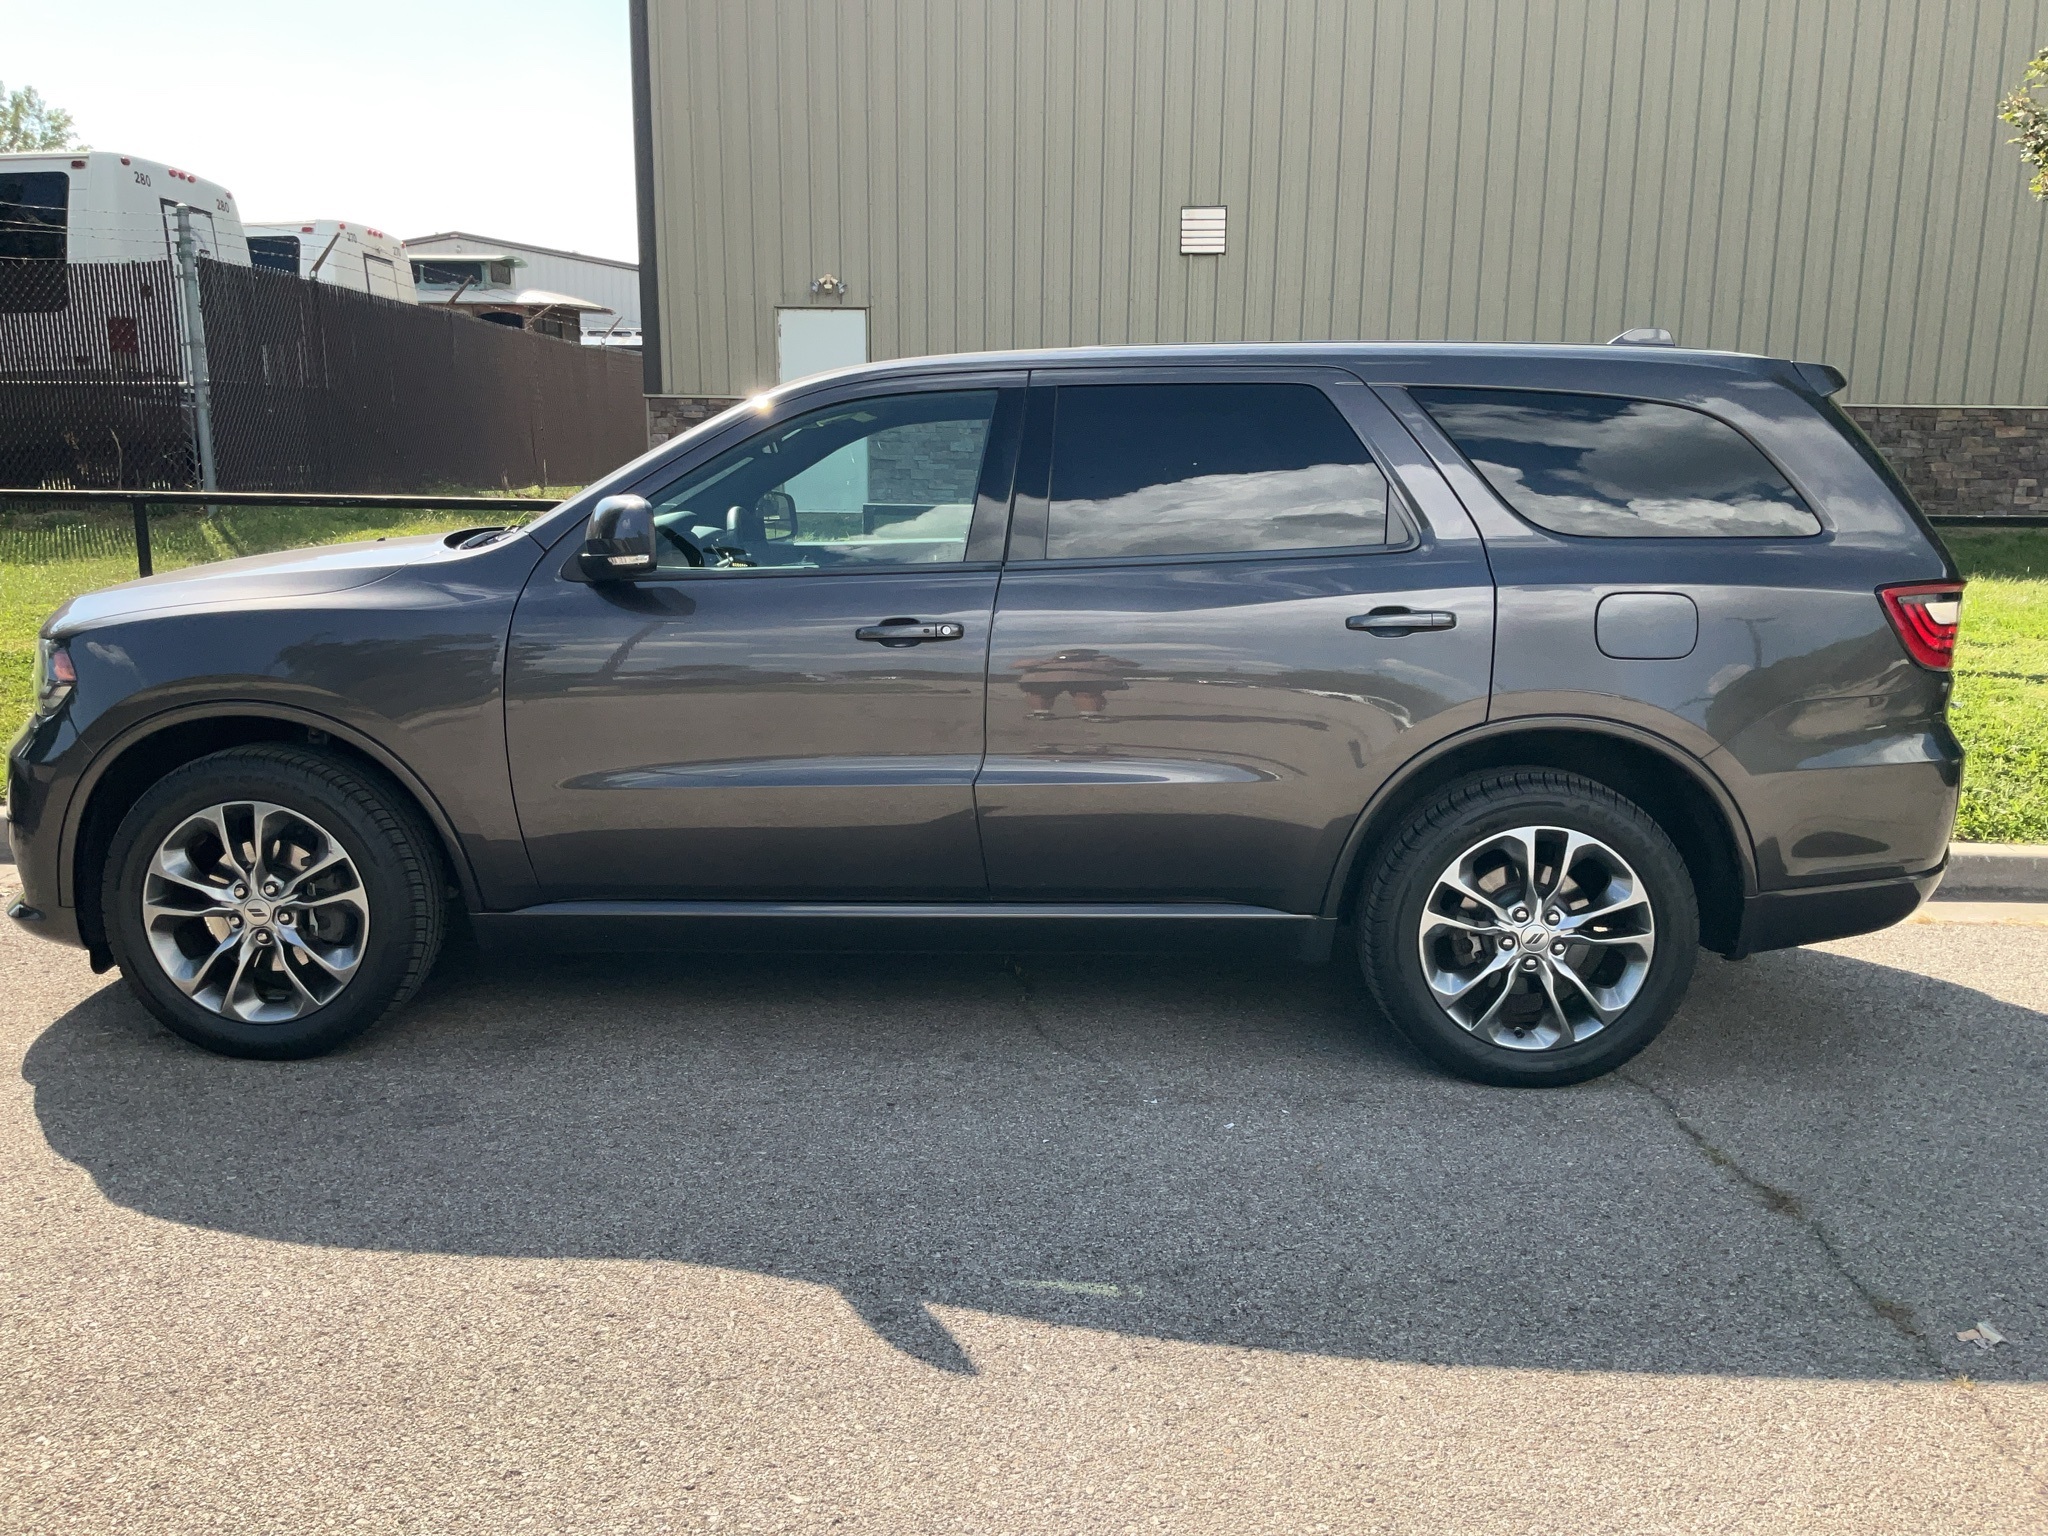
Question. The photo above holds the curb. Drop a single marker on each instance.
(1995, 872)
(2024, 914)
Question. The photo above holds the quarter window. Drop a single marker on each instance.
(1601, 466)
(1196, 469)
(886, 481)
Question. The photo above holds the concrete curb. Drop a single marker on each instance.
(1995, 872)
(2026, 914)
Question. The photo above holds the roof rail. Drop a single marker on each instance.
(1644, 336)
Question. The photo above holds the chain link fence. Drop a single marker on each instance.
(311, 388)
(92, 375)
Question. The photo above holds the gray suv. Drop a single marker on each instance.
(1526, 670)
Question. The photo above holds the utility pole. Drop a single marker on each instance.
(195, 348)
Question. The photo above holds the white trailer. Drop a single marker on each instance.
(101, 206)
(353, 256)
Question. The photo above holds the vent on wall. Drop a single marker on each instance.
(1201, 231)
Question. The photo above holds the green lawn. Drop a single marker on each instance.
(2001, 702)
(46, 557)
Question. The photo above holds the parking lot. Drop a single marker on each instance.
(963, 1245)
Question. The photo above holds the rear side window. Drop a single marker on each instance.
(275, 253)
(1601, 466)
(34, 224)
(1197, 469)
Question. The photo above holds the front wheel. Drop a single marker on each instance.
(273, 902)
(1529, 928)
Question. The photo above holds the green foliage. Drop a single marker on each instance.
(2025, 110)
(29, 123)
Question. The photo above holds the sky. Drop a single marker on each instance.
(512, 118)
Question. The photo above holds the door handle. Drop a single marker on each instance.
(1400, 621)
(908, 632)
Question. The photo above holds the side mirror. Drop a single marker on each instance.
(620, 543)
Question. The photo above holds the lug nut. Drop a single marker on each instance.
(1557, 949)
(1555, 917)
(1529, 964)
(234, 919)
(262, 936)
(1507, 941)
(271, 888)
(241, 890)
(1521, 914)
(284, 920)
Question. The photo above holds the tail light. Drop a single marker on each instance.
(1926, 615)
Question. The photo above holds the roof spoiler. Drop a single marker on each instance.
(1822, 378)
(1644, 336)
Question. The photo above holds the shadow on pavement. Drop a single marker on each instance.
(1218, 1152)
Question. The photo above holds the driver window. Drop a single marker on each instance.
(884, 481)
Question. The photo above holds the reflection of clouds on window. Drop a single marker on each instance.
(1594, 515)
(1322, 506)
(946, 521)
(1605, 467)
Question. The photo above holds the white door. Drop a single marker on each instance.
(809, 341)
(380, 276)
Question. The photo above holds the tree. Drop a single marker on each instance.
(2025, 110)
(27, 122)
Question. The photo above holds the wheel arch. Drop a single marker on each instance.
(142, 754)
(1681, 793)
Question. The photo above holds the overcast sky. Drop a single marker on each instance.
(511, 118)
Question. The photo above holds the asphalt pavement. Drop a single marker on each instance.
(964, 1245)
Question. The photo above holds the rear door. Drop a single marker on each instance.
(202, 228)
(1236, 601)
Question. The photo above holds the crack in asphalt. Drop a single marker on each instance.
(1027, 1001)
(1900, 1317)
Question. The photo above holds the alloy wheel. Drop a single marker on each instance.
(255, 911)
(1537, 938)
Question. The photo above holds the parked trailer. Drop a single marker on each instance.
(353, 256)
(92, 365)
(98, 206)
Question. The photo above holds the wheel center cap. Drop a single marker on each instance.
(256, 911)
(1535, 938)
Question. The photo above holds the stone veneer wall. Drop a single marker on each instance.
(1975, 460)
(672, 415)
(1972, 460)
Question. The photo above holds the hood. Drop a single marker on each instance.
(253, 579)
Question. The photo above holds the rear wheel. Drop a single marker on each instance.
(271, 902)
(1529, 928)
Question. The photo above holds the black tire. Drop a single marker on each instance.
(396, 872)
(1402, 880)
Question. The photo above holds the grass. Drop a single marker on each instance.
(49, 557)
(2000, 710)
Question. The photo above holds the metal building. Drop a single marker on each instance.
(612, 286)
(1828, 179)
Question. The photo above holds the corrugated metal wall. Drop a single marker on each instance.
(1824, 178)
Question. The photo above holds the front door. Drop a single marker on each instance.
(1222, 628)
(791, 709)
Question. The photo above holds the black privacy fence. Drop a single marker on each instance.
(310, 388)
